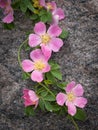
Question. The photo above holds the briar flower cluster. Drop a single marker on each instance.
(49, 93)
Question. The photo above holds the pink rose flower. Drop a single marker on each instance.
(72, 98)
(8, 11)
(30, 98)
(39, 65)
(47, 40)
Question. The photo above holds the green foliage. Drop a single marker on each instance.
(41, 104)
(29, 111)
(64, 34)
(45, 16)
(80, 115)
(8, 26)
(49, 98)
(25, 76)
(57, 74)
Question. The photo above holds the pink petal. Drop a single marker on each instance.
(36, 54)
(47, 68)
(71, 109)
(27, 65)
(70, 86)
(9, 18)
(54, 30)
(42, 2)
(80, 102)
(46, 51)
(28, 103)
(61, 98)
(34, 40)
(40, 28)
(56, 44)
(3, 3)
(33, 96)
(60, 13)
(37, 76)
(78, 90)
(55, 19)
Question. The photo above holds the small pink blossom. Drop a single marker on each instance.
(48, 40)
(39, 65)
(57, 13)
(8, 11)
(30, 98)
(72, 98)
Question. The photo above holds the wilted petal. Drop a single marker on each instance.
(55, 44)
(37, 76)
(36, 54)
(80, 102)
(54, 30)
(70, 86)
(40, 28)
(27, 65)
(61, 98)
(78, 90)
(34, 40)
(71, 109)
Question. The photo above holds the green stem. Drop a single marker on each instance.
(47, 89)
(75, 124)
(19, 51)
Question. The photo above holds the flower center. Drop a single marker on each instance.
(39, 65)
(70, 96)
(45, 38)
(49, 6)
(36, 4)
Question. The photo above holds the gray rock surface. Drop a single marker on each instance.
(78, 59)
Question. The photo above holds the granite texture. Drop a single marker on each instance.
(78, 59)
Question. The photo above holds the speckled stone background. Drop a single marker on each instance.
(78, 59)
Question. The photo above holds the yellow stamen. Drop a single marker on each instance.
(36, 4)
(45, 38)
(39, 65)
(49, 6)
(70, 96)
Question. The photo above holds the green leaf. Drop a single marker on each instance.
(29, 111)
(47, 82)
(42, 12)
(44, 93)
(46, 17)
(54, 65)
(23, 5)
(48, 106)
(41, 104)
(34, 17)
(62, 85)
(80, 115)
(8, 26)
(30, 6)
(64, 34)
(49, 98)
(50, 77)
(25, 76)
(57, 74)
